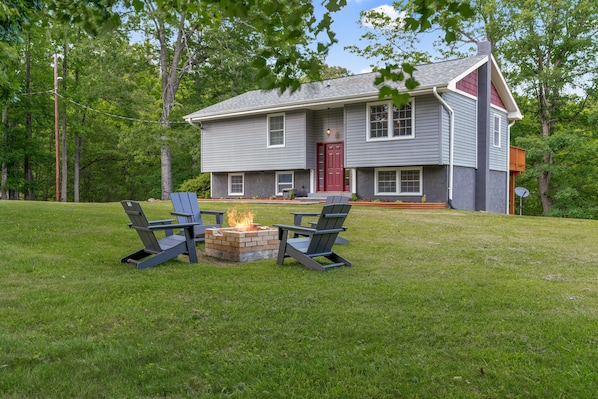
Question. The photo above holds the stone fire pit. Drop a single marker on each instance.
(242, 244)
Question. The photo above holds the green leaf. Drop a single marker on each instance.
(400, 99)
(408, 68)
(385, 92)
(411, 83)
(450, 36)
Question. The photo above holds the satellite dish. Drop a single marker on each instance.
(522, 192)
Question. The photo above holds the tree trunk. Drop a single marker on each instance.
(548, 100)
(64, 155)
(78, 146)
(169, 74)
(77, 167)
(166, 163)
(4, 178)
(27, 167)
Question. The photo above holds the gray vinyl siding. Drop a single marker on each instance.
(310, 142)
(465, 108)
(499, 155)
(318, 122)
(424, 149)
(238, 145)
(445, 136)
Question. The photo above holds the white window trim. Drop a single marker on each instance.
(398, 181)
(390, 122)
(284, 173)
(495, 132)
(284, 130)
(230, 175)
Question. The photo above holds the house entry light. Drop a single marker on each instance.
(328, 122)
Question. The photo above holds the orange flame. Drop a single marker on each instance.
(240, 219)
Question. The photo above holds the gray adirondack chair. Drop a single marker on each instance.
(331, 199)
(186, 209)
(157, 251)
(318, 240)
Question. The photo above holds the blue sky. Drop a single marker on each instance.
(348, 32)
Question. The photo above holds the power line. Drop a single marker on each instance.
(114, 115)
(100, 112)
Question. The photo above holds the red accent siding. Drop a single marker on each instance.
(495, 98)
(469, 84)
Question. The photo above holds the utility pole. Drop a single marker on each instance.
(56, 123)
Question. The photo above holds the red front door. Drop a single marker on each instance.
(332, 170)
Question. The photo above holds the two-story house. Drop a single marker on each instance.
(450, 143)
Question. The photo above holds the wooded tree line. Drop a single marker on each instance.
(547, 50)
(123, 90)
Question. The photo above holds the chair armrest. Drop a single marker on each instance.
(172, 226)
(184, 214)
(219, 215)
(297, 216)
(283, 231)
(328, 231)
(164, 222)
(297, 229)
(158, 222)
(213, 212)
(302, 229)
(305, 213)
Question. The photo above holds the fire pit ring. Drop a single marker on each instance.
(242, 244)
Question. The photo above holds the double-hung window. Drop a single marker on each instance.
(284, 180)
(398, 181)
(496, 130)
(385, 121)
(236, 184)
(276, 130)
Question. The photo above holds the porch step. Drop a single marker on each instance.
(321, 196)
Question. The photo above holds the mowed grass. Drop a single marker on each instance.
(438, 304)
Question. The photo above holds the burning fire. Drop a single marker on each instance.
(240, 220)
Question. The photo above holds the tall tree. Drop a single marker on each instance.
(550, 47)
(283, 31)
(547, 49)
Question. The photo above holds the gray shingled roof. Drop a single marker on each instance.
(361, 86)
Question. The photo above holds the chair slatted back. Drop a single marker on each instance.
(140, 223)
(332, 217)
(186, 203)
(336, 199)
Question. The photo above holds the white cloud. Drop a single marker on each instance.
(388, 10)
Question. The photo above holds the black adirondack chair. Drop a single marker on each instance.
(331, 199)
(318, 240)
(157, 251)
(186, 209)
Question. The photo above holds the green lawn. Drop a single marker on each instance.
(438, 304)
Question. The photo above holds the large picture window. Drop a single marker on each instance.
(386, 121)
(276, 130)
(236, 184)
(284, 180)
(398, 181)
